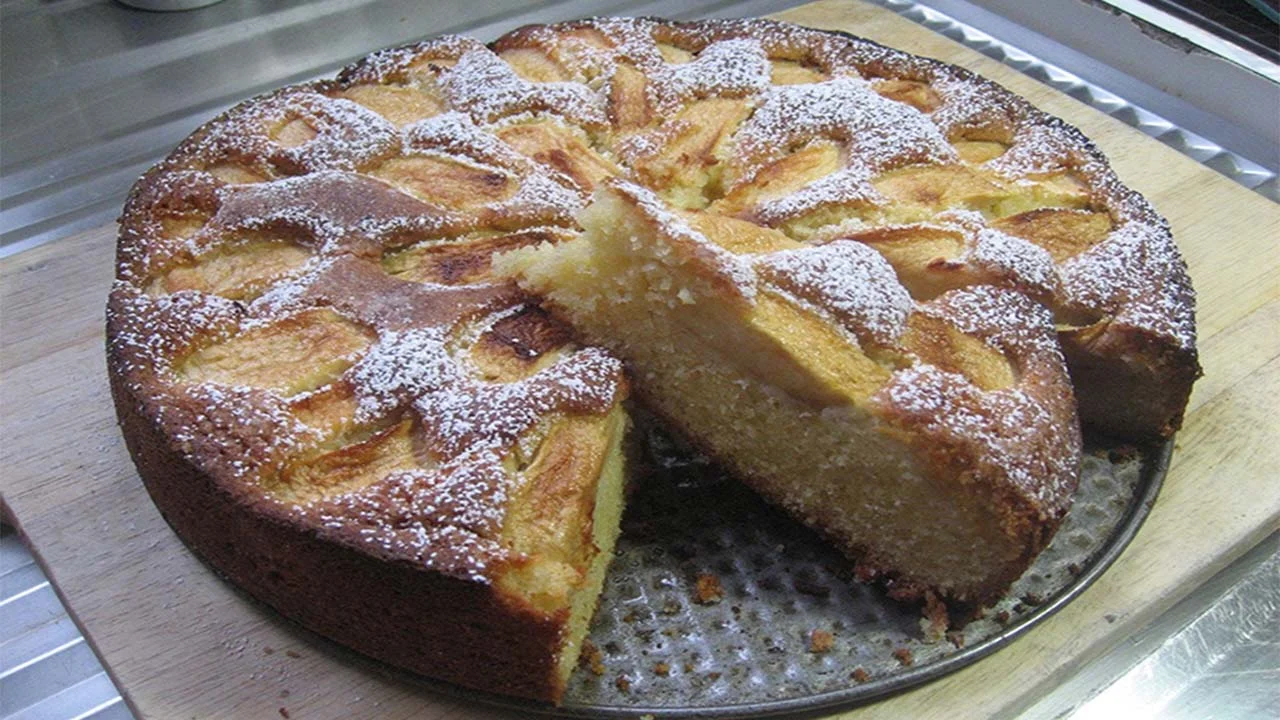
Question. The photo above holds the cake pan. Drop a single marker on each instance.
(669, 649)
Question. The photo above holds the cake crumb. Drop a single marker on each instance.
(903, 655)
(1002, 617)
(662, 669)
(267, 650)
(1032, 599)
(284, 713)
(821, 641)
(591, 658)
(936, 620)
(292, 654)
(956, 638)
(713, 676)
(860, 675)
(709, 591)
(623, 683)
(1075, 569)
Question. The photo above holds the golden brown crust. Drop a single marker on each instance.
(401, 612)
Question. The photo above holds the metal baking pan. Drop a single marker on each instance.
(663, 653)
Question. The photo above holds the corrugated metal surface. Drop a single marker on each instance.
(1107, 89)
(47, 670)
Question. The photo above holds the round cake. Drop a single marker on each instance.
(340, 404)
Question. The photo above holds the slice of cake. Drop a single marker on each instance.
(390, 448)
(936, 442)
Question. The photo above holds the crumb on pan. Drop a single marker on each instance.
(592, 658)
(821, 641)
(708, 590)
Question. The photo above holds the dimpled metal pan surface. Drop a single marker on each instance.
(750, 653)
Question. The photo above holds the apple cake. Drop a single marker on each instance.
(877, 287)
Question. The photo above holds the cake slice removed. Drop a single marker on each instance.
(936, 443)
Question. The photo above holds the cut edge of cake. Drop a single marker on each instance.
(960, 408)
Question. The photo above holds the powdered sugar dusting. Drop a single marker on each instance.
(456, 136)
(879, 134)
(1004, 319)
(730, 68)
(847, 186)
(346, 136)
(447, 519)
(1015, 438)
(484, 86)
(1037, 149)
(849, 280)
(1009, 260)
(969, 103)
(404, 364)
(473, 414)
(394, 65)
(1128, 274)
(239, 432)
(148, 333)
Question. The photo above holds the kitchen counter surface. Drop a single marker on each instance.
(166, 628)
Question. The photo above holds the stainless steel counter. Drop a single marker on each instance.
(92, 92)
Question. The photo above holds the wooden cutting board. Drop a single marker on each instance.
(181, 643)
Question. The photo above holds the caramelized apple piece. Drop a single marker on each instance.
(353, 466)
(399, 105)
(924, 258)
(294, 133)
(790, 72)
(299, 353)
(738, 236)
(455, 262)
(446, 182)
(780, 178)
(562, 149)
(688, 166)
(940, 344)
(674, 55)
(629, 99)
(532, 65)
(518, 345)
(235, 174)
(976, 152)
(237, 271)
(1064, 233)
(916, 94)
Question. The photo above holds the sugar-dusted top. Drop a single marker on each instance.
(357, 195)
